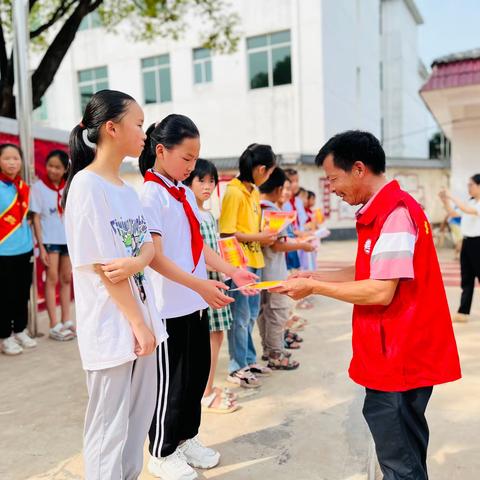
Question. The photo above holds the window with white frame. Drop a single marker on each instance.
(157, 85)
(92, 20)
(91, 81)
(269, 60)
(202, 65)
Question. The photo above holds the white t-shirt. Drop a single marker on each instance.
(166, 217)
(44, 202)
(471, 223)
(104, 221)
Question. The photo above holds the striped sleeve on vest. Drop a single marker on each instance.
(392, 256)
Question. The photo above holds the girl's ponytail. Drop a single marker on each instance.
(104, 105)
(81, 156)
(255, 155)
(147, 157)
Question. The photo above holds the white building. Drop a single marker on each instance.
(453, 95)
(405, 121)
(304, 70)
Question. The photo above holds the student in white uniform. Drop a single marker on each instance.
(49, 228)
(118, 325)
(470, 253)
(179, 277)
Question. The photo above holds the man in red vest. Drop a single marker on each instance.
(403, 341)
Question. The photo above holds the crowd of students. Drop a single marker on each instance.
(154, 298)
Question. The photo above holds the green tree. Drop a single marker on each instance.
(54, 24)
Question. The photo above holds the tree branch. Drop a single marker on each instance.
(3, 55)
(62, 9)
(46, 70)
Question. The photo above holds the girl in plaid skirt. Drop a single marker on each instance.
(203, 181)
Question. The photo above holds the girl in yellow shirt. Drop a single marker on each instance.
(240, 217)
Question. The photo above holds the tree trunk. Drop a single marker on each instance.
(50, 63)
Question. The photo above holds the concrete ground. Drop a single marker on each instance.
(305, 424)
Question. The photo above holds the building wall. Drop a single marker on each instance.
(465, 155)
(351, 40)
(335, 48)
(422, 183)
(407, 125)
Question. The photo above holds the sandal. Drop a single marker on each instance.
(227, 392)
(266, 358)
(226, 404)
(291, 344)
(295, 336)
(258, 369)
(244, 378)
(278, 361)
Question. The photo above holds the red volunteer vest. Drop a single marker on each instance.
(409, 343)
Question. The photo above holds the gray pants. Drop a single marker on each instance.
(274, 310)
(120, 408)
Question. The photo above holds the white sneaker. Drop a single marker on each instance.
(11, 347)
(60, 333)
(173, 467)
(198, 455)
(24, 339)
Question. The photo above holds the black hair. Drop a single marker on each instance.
(275, 180)
(354, 146)
(61, 155)
(171, 131)
(301, 190)
(255, 155)
(3, 146)
(476, 178)
(202, 169)
(311, 194)
(291, 172)
(104, 105)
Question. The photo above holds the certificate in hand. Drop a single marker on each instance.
(277, 221)
(231, 252)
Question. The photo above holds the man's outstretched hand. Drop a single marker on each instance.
(296, 288)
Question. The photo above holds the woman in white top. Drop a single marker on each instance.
(49, 228)
(118, 325)
(470, 253)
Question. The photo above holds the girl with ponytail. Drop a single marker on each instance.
(179, 276)
(240, 216)
(118, 325)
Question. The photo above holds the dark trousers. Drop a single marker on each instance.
(400, 431)
(470, 269)
(183, 366)
(15, 282)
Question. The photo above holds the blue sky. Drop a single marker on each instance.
(449, 26)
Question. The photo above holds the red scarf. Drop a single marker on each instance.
(294, 208)
(12, 217)
(56, 188)
(179, 195)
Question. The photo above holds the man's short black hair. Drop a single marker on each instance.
(354, 146)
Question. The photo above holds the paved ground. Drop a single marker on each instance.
(305, 425)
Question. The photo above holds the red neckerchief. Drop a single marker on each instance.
(12, 217)
(309, 213)
(179, 195)
(56, 188)
(294, 207)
